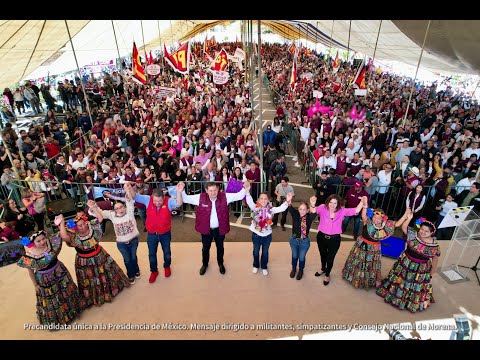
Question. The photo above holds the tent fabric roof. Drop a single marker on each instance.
(26, 45)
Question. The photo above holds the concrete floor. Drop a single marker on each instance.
(237, 298)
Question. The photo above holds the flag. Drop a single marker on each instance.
(150, 59)
(221, 61)
(336, 64)
(360, 77)
(138, 70)
(179, 60)
(205, 45)
(292, 49)
(293, 75)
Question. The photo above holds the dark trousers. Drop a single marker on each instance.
(283, 220)
(328, 246)
(207, 242)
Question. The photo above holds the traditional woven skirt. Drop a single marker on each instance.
(59, 300)
(363, 266)
(99, 277)
(408, 285)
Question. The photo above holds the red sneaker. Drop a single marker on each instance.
(153, 276)
(168, 272)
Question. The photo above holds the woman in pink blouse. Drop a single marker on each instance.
(329, 230)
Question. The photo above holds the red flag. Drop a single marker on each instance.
(150, 60)
(221, 61)
(292, 49)
(138, 70)
(360, 77)
(336, 64)
(293, 75)
(179, 60)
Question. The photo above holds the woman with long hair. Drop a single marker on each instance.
(415, 201)
(35, 204)
(330, 230)
(409, 282)
(24, 222)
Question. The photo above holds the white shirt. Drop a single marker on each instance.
(323, 162)
(384, 181)
(77, 164)
(447, 206)
(464, 184)
(195, 200)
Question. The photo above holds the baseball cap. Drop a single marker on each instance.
(358, 184)
(139, 179)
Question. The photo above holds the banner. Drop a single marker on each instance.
(153, 69)
(163, 92)
(179, 60)
(336, 64)
(221, 61)
(239, 53)
(104, 192)
(292, 49)
(360, 77)
(138, 70)
(220, 77)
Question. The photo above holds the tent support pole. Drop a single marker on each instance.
(121, 62)
(79, 74)
(416, 72)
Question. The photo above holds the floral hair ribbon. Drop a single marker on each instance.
(26, 242)
(72, 225)
(422, 220)
(419, 222)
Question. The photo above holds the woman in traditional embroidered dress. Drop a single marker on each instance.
(363, 265)
(409, 282)
(99, 277)
(58, 298)
(261, 227)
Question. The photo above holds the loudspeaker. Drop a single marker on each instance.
(66, 207)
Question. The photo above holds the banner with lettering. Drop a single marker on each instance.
(179, 60)
(163, 92)
(220, 77)
(221, 61)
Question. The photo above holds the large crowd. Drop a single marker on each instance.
(200, 134)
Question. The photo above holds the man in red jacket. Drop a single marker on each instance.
(211, 219)
(158, 225)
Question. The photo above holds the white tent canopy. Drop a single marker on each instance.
(32, 48)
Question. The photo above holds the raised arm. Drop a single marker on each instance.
(402, 220)
(364, 210)
(409, 214)
(313, 201)
(59, 221)
(96, 210)
(180, 188)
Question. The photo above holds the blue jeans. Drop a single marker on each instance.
(356, 223)
(264, 242)
(152, 242)
(299, 251)
(143, 213)
(129, 253)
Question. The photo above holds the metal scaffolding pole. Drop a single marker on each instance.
(416, 71)
(260, 117)
(118, 51)
(79, 74)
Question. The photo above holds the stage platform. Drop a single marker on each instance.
(213, 306)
